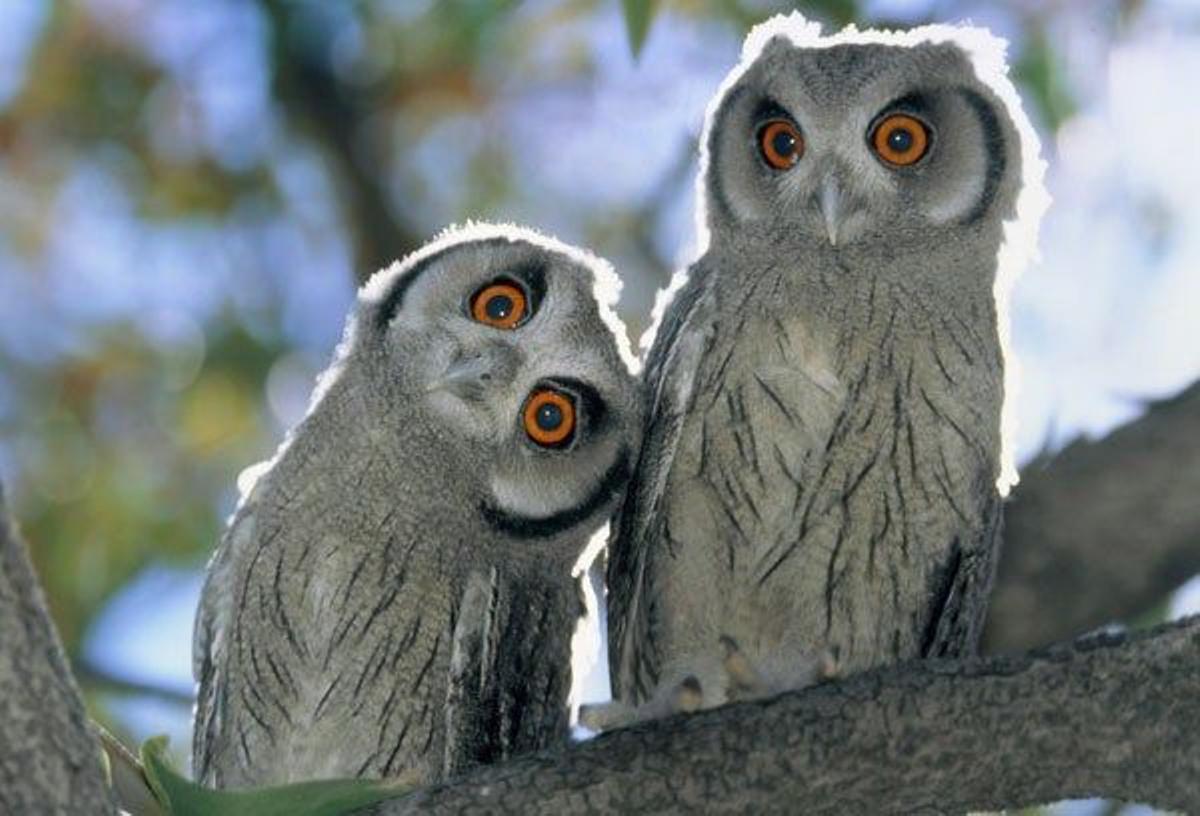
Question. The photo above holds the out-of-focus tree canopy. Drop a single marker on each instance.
(190, 192)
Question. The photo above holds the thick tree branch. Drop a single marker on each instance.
(1102, 531)
(49, 760)
(1114, 716)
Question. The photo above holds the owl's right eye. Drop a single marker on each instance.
(780, 143)
(501, 304)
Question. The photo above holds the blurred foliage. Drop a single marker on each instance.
(189, 192)
(638, 14)
(1039, 71)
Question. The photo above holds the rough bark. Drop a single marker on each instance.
(1111, 716)
(1101, 531)
(49, 760)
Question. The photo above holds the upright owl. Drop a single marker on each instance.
(823, 461)
(393, 596)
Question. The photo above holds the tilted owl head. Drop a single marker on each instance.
(861, 136)
(502, 346)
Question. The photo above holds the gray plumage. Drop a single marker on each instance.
(393, 597)
(818, 475)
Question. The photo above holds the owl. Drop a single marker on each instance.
(820, 482)
(393, 596)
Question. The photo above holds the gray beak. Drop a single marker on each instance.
(829, 199)
(470, 375)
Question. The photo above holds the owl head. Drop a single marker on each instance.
(861, 135)
(502, 346)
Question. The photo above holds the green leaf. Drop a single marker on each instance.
(638, 14)
(182, 797)
(126, 776)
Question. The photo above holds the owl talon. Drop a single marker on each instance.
(689, 696)
(829, 667)
(744, 679)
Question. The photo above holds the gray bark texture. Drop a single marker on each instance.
(1101, 531)
(1110, 716)
(49, 759)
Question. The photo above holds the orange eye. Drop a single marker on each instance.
(781, 143)
(900, 140)
(549, 417)
(500, 304)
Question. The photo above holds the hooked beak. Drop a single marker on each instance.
(829, 199)
(469, 376)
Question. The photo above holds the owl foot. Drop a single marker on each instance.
(684, 698)
(745, 682)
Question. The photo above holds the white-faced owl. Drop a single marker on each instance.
(393, 596)
(822, 464)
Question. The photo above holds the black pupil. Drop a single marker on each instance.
(549, 417)
(498, 307)
(784, 144)
(900, 140)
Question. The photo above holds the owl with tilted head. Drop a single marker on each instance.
(394, 595)
(825, 455)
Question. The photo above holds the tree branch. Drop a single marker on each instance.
(95, 678)
(338, 116)
(49, 760)
(1102, 531)
(1112, 716)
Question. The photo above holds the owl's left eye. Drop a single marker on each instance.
(549, 417)
(900, 140)
(501, 304)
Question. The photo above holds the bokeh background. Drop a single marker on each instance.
(191, 191)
